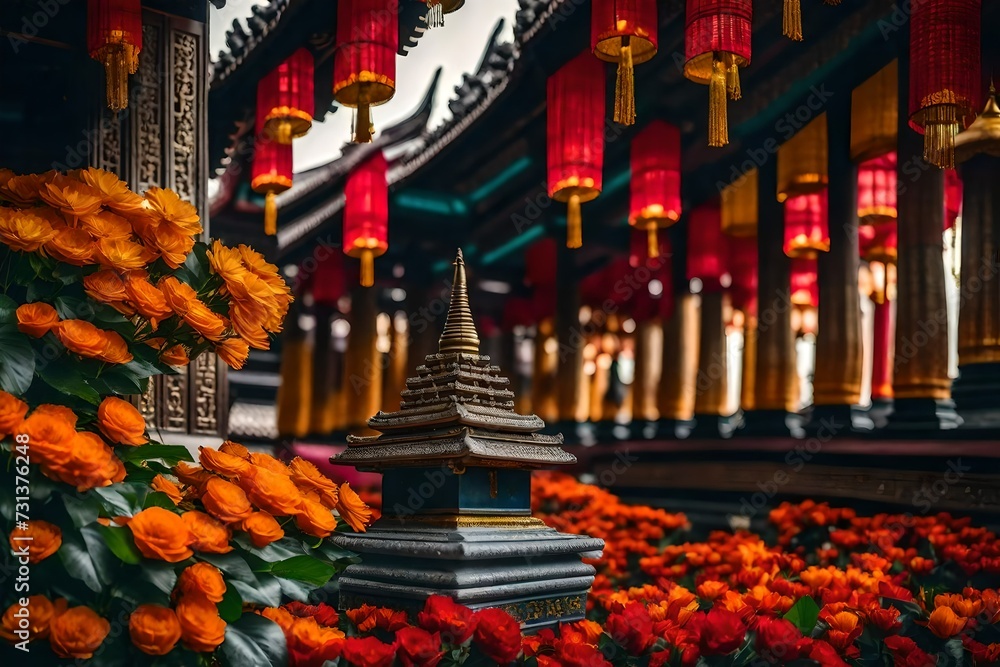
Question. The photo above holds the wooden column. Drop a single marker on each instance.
(748, 376)
(322, 414)
(710, 396)
(882, 339)
(398, 367)
(294, 399)
(362, 372)
(675, 398)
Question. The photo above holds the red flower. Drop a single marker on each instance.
(632, 627)
(886, 620)
(368, 652)
(778, 640)
(543, 641)
(441, 614)
(889, 590)
(324, 614)
(582, 655)
(826, 655)
(721, 632)
(416, 647)
(498, 635)
(390, 620)
(982, 654)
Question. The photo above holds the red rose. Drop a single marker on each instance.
(498, 635)
(542, 642)
(659, 659)
(722, 632)
(825, 655)
(368, 652)
(441, 614)
(889, 590)
(585, 655)
(415, 647)
(324, 614)
(900, 645)
(632, 628)
(886, 620)
(777, 639)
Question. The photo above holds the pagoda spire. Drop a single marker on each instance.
(459, 333)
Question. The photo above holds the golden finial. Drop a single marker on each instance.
(983, 135)
(459, 333)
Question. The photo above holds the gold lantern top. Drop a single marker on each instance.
(802, 161)
(875, 114)
(739, 206)
(983, 136)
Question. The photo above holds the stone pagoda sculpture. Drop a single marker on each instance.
(456, 494)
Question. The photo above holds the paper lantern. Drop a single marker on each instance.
(743, 270)
(656, 181)
(285, 100)
(114, 38)
(364, 65)
(707, 249)
(716, 45)
(540, 262)
(271, 175)
(436, 9)
(806, 225)
(575, 136)
(802, 161)
(639, 255)
(944, 73)
(804, 283)
(739, 206)
(326, 282)
(878, 243)
(952, 197)
(877, 190)
(623, 32)
(874, 114)
(366, 214)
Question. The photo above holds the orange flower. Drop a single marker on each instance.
(315, 519)
(308, 478)
(233, 351)
(227, 263)
(179, 215)
(274, 493)
(164, 485)
(204, 321)
(71, 198)
(173, 247)
(122, 254)
(211, 536)
(225, 500)
(50, 435)
(114, 192)
(105, 286)
(201, 628)
(161, 534)
(191, 475)
(71, 245)
(154, 629)
(106, 225)
(81, 337)
(845, 627)
(267, 272)
(35, 319)
(202, 580)
(262, 529)
(958, 604)
(148, 301)
(352, 509)
(945, 623)
(38, 615)
(224, 464)
(247, 317)
(12, 411)
(41, 538)
(115, 349)
(22, 190)
(56, 411)
(179, 296)
(710, 590)
(268, 462)
(175, 355)
(23, 230)
(235, 448)
(77, 633)
(121, 422)
(91, 462)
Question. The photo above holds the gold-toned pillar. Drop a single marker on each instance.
(675, 397)
(362, 372)
(648, 347)
(711, 382)
(397, 368)
(325, 387)
(567, 322)
(748, 376)
(543, 376)
(295, 389)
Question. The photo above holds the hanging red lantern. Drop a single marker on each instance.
(804, 283)
(364, 65)
(952, 197)
(540, 262)
(944, 73)
(272, 175)
(366, 214)
(716, 45)
(656, 180)
(326, 282)
(807, 229)
(624, 32)
(575, 132)
(285, 99)
(877, 190)
(707, 246)
(517, 312)
(743, 269)
(114, 37)
(878, 243)
(436, 9)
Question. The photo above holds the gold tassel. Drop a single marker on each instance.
(574, 223)
(284, 132)
(271, 214)
(940, 130)
(791, 20)
(363, 127)
(117, 66)
(625, 86)
(654, 245)
(367, 268)
(718, 130)
(733, 81)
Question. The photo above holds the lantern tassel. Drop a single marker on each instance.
(939, 136)
(271, 214)
(284, 132)
(363, 126)
(574, 223)
(718, 130)
(117, 66)
(733, 82)
(653, 251)
(791, 20)
(625, 86)
(367, 268)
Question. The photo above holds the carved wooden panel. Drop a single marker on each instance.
(209, 396)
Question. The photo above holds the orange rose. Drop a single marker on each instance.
(12, 411)
(39, 615)
(945, 623)
(352, 509)
(174, 212)
(274, 493)
(191, 475)
(105, 286)
(161, 534)
(235, 448)
(226, 501)
(50, 435)
(201, 318)
(40, 537)
(175, 356)
(201, 628)
(154, 629)
(262, 529)
(121, 422)
(268, 462)
(91, 463)
(179, 295)
(164, 485)
(315, 519)
(56, 411)
(173, 247)
(148, 301)
(71, 245)
(81, 337)
(122, 254)
(308, 478)
(211, 536)
(71, 198)
(23, 230)
(202, 580)
(106, 225)
(115, 349)
(77, 633)
(224, 464)
(233, 351)
(35, 319)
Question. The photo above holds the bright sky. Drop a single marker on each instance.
(456, 47)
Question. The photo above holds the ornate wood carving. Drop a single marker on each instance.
(185, 114)
(147, 118)
(209, 395)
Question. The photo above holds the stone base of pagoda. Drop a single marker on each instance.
(975, 392)
(533, 572)
(921, 415)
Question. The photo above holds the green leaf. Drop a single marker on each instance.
(296, 590)
(304, 568)
(803, 615)
(8, 308)
(105, 562)
(232, 564)
(121, 544)
(77, 560)
(118, 499)
(254, 640)
(118, 380)
(231, 606)
(282, 549)
(161, 575)
(17, 359)
(83, 510)
(194, 271)
(264, 590)
(334, 554)
(168, 454)
(64, 375)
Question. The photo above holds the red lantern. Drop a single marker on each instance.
(804, 285)
(806, 225)
(327, 280)
(540, 262)
(656, 180)
(952, 197)
(624, 32)
(877, 190)
(114, 37)
(364, 65)
(944, 73)
(272, 175)
(285, 100)
(517, 312)
(576, 138)
(707, 246)
(882, 343)
(716, 45)
(743, 268)
(878, 243)
(436, 9)
(366, 214)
